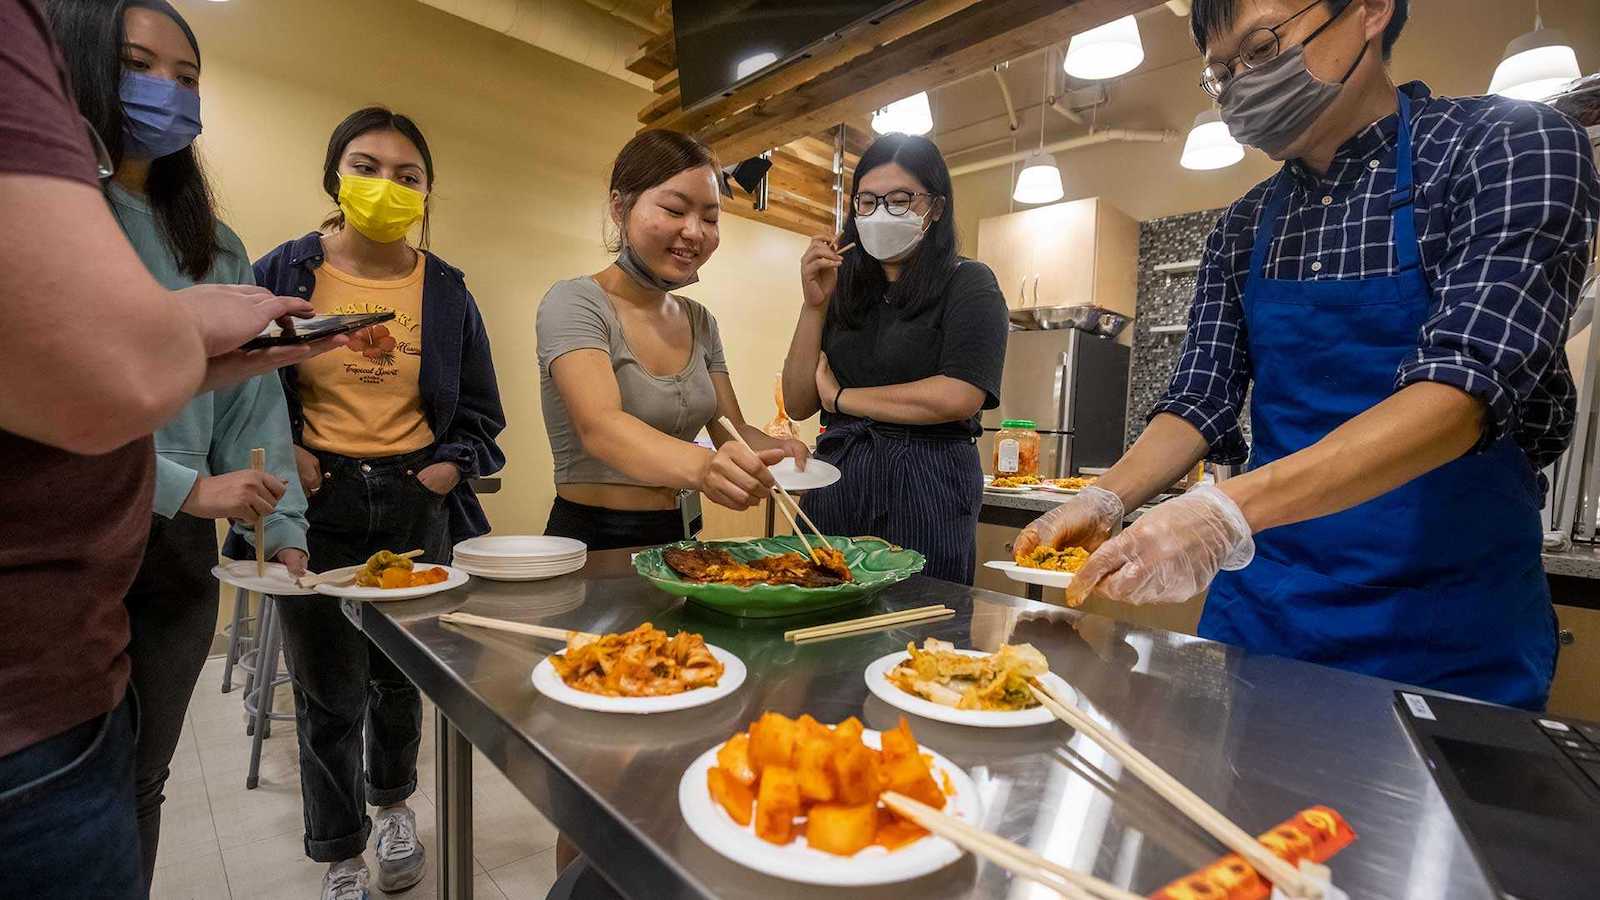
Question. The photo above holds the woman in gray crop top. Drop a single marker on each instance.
(629, 373)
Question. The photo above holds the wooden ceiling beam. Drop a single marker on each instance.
(655, 57)
(849, 46)
(780, 217)
(659, 107)
(966, 41)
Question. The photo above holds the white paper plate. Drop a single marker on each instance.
(798, 862)
(550, 684)
(513, 575)
(818, 474)
(521, 547)
(1058, 490)
(242, 573)
(878, 682)
(457, 579)
(1030, 575)
(1022, 489)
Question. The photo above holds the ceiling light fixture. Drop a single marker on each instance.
(1536, 65)
(1040, 179)
(1108, 51)
(912, 115)
(1210, 144)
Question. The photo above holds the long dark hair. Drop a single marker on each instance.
(90, 33)
(366, 121)
(650, 158)
(861, 279)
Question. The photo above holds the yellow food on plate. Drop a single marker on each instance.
(644, 662)
(997, 682)
(1067, 559)
(1015, 481)
(793, 777)
(391, 571)
(1072, 484)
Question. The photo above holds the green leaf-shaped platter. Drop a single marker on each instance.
(874, 562)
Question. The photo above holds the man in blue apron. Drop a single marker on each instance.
(1397, 297)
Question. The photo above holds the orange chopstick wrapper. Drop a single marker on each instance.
(1315, 834)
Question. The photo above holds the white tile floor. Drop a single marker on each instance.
(220, 841)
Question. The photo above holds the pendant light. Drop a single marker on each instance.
(1536, 65)
(912, 115)
(1108, 51)
(1210, 144)
(1040, 180)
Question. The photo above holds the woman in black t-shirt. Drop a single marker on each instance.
(900, 343)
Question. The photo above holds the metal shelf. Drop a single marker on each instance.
(1168, 329)
(1178, 268)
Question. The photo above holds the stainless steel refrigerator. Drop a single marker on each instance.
(1074, 386)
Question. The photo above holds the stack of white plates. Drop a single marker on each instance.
(520, 557)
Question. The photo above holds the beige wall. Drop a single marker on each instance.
(522, 142)
(1453, 45)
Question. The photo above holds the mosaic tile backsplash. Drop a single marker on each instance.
(1163, 299)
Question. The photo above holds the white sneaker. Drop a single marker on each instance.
(346, 881)
(400, 854)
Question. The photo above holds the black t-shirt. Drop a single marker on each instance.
(960, 334)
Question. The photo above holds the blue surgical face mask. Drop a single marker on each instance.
(159, 116)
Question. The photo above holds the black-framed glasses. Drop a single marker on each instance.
(103, 166)
(1259, 47)
(898, 203)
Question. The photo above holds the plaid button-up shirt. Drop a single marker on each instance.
(1506, 206)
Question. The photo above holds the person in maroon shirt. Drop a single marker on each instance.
(94, 356)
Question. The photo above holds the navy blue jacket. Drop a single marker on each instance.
(460, 397)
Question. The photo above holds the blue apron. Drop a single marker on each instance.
(1437, 583)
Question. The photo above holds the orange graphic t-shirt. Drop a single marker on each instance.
(363, 400)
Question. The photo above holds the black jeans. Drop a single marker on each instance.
(344, 686)
(172, 612)
(613, 529)
(66, 813)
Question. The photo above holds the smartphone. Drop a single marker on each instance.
(314, 329)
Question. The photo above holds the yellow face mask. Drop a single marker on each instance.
(379, 208)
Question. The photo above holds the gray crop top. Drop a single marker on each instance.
(577, 315)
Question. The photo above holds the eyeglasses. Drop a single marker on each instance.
(898, 203)
(1258, 48)
(103, 166)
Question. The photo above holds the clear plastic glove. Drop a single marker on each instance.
(1171, 553)
(1086, 521)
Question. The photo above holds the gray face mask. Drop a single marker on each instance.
(630, 262)
(1272, 107)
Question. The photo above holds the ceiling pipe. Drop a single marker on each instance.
(568, 28)
(1005, 94)
(1107, 136)
(620, 9)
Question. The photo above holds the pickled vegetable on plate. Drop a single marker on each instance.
(789, 778)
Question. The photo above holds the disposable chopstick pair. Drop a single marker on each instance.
(1013, 857)
(728, 426)
(868, 623)
(344, 576)
(540, 631)
(1280, 872)
(258, 463)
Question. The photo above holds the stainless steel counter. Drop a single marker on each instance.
(1259, 737)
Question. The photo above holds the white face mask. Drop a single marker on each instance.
(891, 238)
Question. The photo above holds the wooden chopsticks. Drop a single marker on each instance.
(541, 631)
(258, 463)
(1017, 859)
(869, 623)
(1274, 869)
(728, 426)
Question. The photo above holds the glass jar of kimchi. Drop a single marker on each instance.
(1016, 449)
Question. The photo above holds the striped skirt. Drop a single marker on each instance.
(910, 489)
